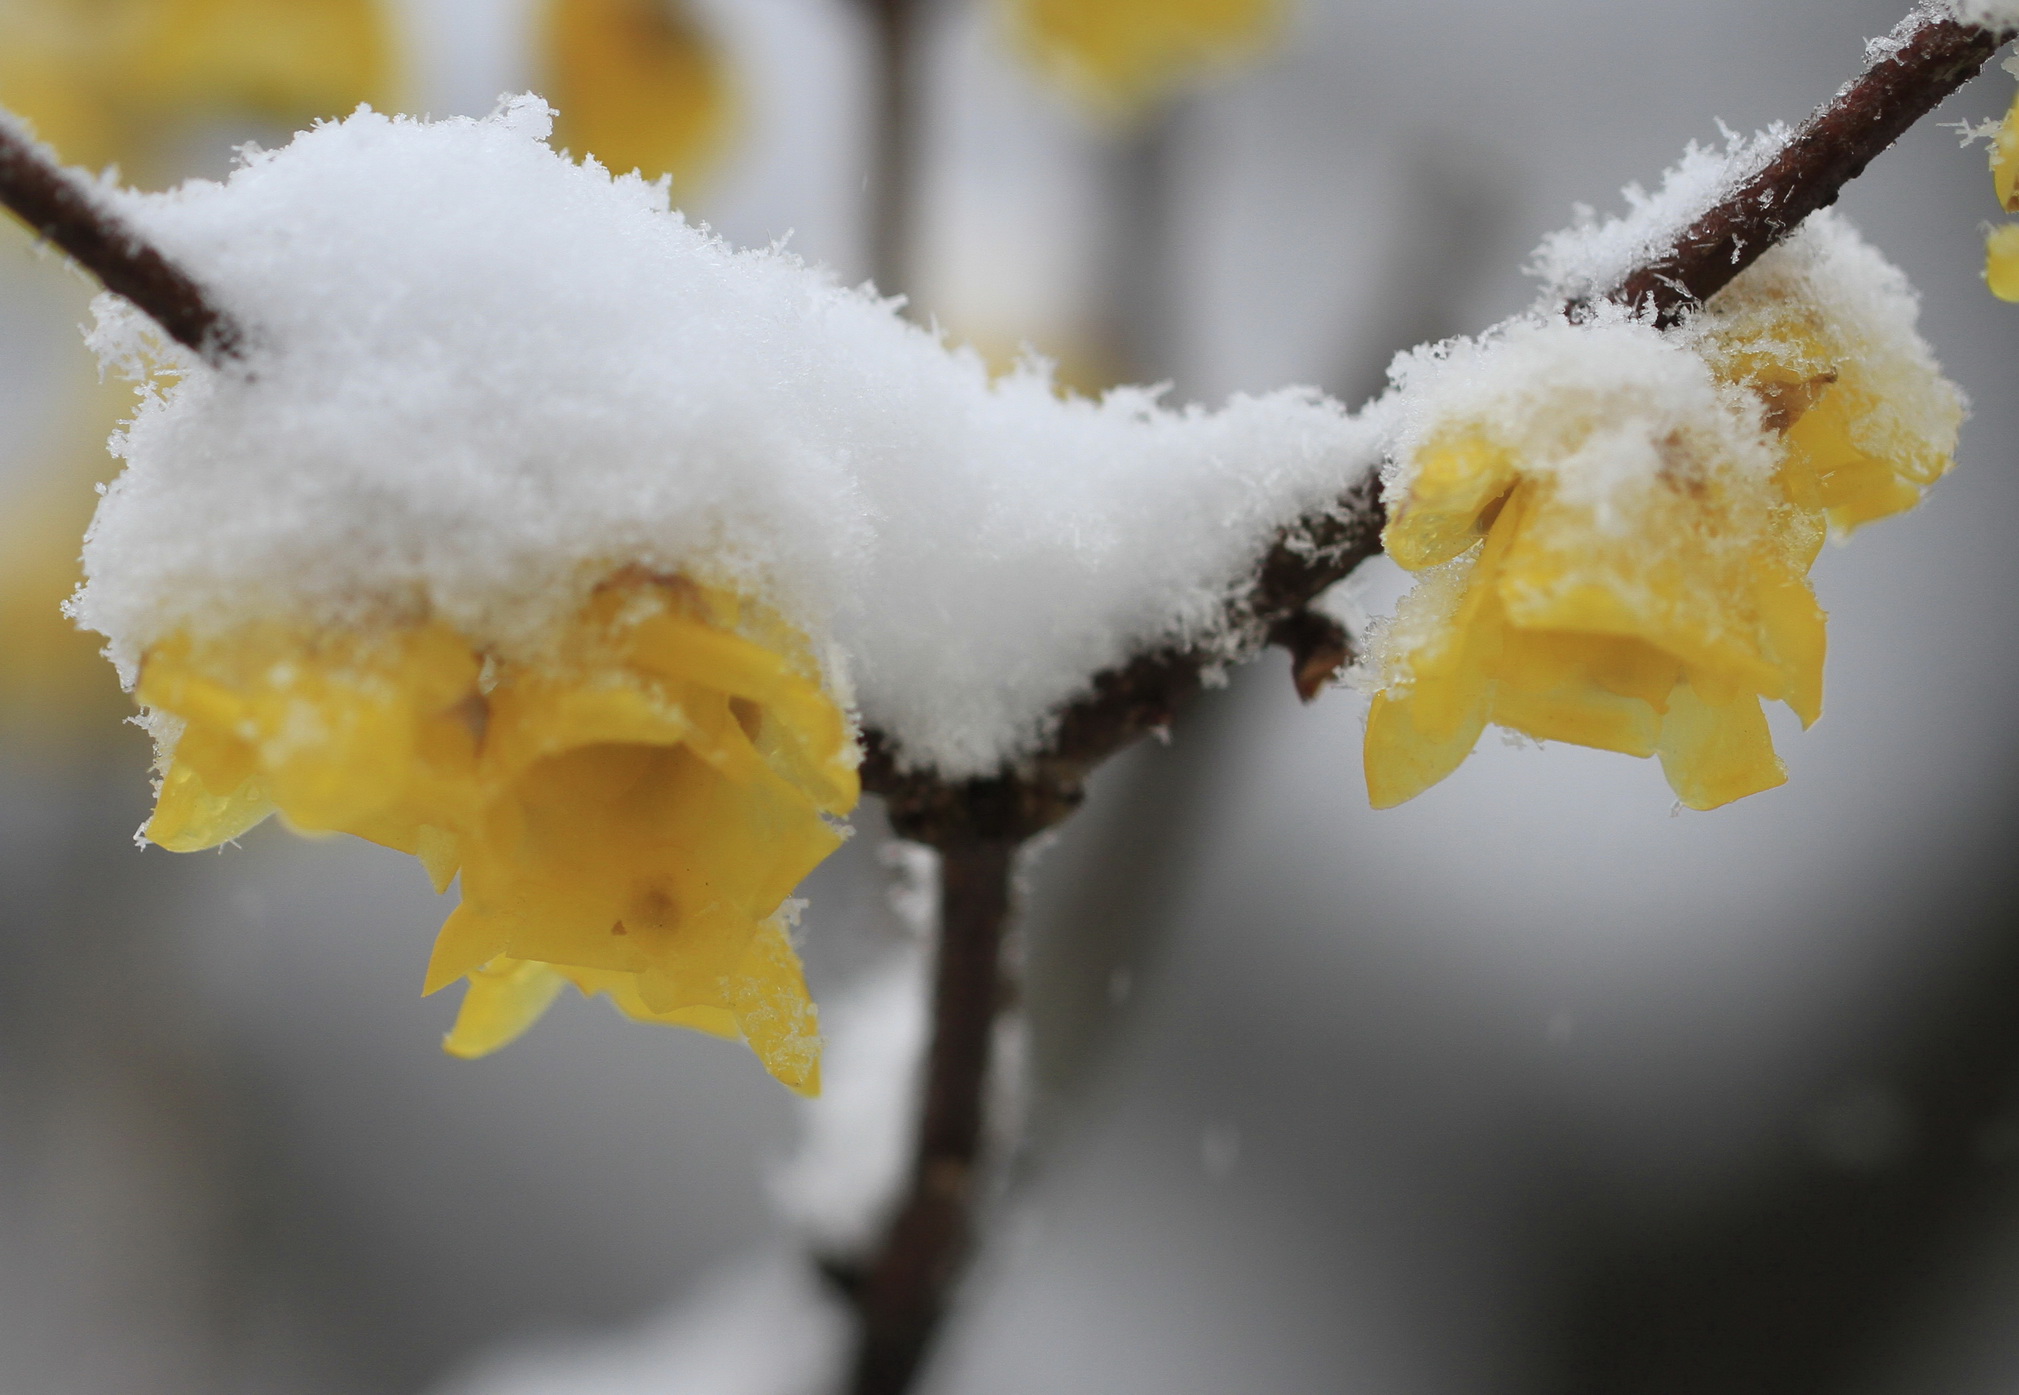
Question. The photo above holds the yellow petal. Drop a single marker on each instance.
(2005, 160)
(188, 817)
(467, 941)
(504, 998)
(1453, 481)
(1855, 481)
(776, 1015)
(1714, 753)
(2001, 261)
(1402, 760)
(1797, 637)
(1585, 689)
(624, 993)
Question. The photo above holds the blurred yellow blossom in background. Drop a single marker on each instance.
(638, 85)
(111, 80)
(1125, 58)
(627, 815)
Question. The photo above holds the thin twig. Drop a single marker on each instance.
(62, 207)
(907, 1286)
(1928, 59)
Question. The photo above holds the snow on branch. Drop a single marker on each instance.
(65, 209)
(1922, 61)
(1714, 218)
(1157, 547)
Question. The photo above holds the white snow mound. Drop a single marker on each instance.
(483, 377)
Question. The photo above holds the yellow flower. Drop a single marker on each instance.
(2005, 160)
(628, 815)
(1656, 638)
(2001, 250)
(2001, 261)
(638, 85)
(1126, 57)
(1650, 617)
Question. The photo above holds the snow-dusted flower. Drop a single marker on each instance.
(1126, 57)
(1616, 525)
(628, 815)
(404, 569)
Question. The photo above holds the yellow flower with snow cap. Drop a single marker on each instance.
(1623, 564)
(628, 815)
(1653, 634)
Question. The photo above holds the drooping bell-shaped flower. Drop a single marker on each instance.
(627, 815)
(1617, 524)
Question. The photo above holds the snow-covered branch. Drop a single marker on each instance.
(1675, 256)
(64, 208)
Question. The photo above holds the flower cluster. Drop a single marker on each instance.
(627, 815)
(1616, 524)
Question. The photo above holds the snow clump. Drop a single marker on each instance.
(483, 378)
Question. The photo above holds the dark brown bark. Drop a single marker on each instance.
(1934, 58)
(62, 207)
(907, 1286)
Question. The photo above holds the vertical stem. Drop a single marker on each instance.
(894, 148)
(908, 1284)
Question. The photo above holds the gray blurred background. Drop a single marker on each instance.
(1532, 1084)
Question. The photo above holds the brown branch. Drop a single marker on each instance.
(1933, 59)
(910, 1280)
(978, 824)
(912, 1276)
(60, 206)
